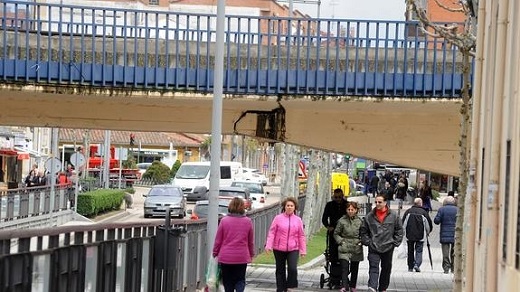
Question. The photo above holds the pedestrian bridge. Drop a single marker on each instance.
(377, 89)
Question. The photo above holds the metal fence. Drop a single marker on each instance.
(139, 256)
(21, 203)
(143, 49)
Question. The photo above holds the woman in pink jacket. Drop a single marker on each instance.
(286, 239)
(234, 246)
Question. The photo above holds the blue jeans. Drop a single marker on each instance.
(415, 250)
(233, 277)
(290, 280)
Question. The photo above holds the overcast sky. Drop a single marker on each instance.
(356, 9)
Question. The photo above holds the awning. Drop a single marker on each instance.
(23, 156)
(8, 152)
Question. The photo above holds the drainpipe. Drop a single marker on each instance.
(490, 225)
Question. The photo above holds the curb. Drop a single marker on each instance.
(118, 216)
(315, 262)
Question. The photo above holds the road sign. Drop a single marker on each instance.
(77, 160)
(57, 165)
(121, 153)
(302, 169)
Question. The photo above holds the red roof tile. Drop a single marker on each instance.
(123, 137)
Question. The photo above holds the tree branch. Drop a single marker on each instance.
(449, 8)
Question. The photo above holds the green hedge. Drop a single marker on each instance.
(93, 203)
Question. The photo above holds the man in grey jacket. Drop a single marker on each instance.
(381, 231)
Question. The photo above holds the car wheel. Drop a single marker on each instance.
(147, 215)
(181, 216)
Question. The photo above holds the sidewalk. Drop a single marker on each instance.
(262, 278)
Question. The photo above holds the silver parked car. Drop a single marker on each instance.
(161, 196)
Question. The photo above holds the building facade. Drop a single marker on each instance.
(492, 217)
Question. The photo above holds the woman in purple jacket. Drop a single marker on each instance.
(286, 239)
(234, 246)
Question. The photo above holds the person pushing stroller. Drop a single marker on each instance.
(334, 210)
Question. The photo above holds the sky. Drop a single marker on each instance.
(355, 9)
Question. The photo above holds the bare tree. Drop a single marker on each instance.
(464, 38)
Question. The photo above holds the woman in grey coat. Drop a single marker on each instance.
(350, 249)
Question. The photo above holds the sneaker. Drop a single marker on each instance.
(372, 289)
(353, 289)
(342, 290)
(410, 270)
(446, 271)
(416, 268)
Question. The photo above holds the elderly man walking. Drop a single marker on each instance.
(417, 225)
(446, 217)
(381, 231)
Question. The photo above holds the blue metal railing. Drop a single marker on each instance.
(165, 50)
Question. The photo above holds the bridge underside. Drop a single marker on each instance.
(410, 132)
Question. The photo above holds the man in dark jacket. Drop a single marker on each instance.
(381, 231)
(446, 217)
(417, 225)
(334, 210)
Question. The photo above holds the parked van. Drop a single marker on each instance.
(193, 177)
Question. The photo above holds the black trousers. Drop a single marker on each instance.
(351, 268)
(233, 277)
(285, 259)
(333, 248)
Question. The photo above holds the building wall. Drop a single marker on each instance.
(492, 206)
(439, 14)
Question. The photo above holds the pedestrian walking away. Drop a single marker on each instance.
(425, 193)
(400, 193)
(417, 224)
(446, 217)
(350, 249)
(381, 231)
(286, 239)
(234, 246)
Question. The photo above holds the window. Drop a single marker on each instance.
(225, 172)
(153, 2)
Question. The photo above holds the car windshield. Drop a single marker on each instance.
(253, 187)
(202, 210)
(165, 191)
(231, 193)
(143, 166)
(193, 171)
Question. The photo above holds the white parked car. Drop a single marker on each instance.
(255, 175)
(256, 192)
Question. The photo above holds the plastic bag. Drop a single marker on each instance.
(402, 250)
(212, 275)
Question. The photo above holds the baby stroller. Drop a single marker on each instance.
(332, 268)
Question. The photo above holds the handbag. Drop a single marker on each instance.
(212, 275)
(402, 250)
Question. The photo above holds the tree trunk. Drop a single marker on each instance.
(463, 181)
(311, 213)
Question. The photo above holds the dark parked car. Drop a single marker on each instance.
(201, 209)
(162, 196)
(232, 192)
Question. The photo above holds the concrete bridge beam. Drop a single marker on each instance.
(408, 132)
